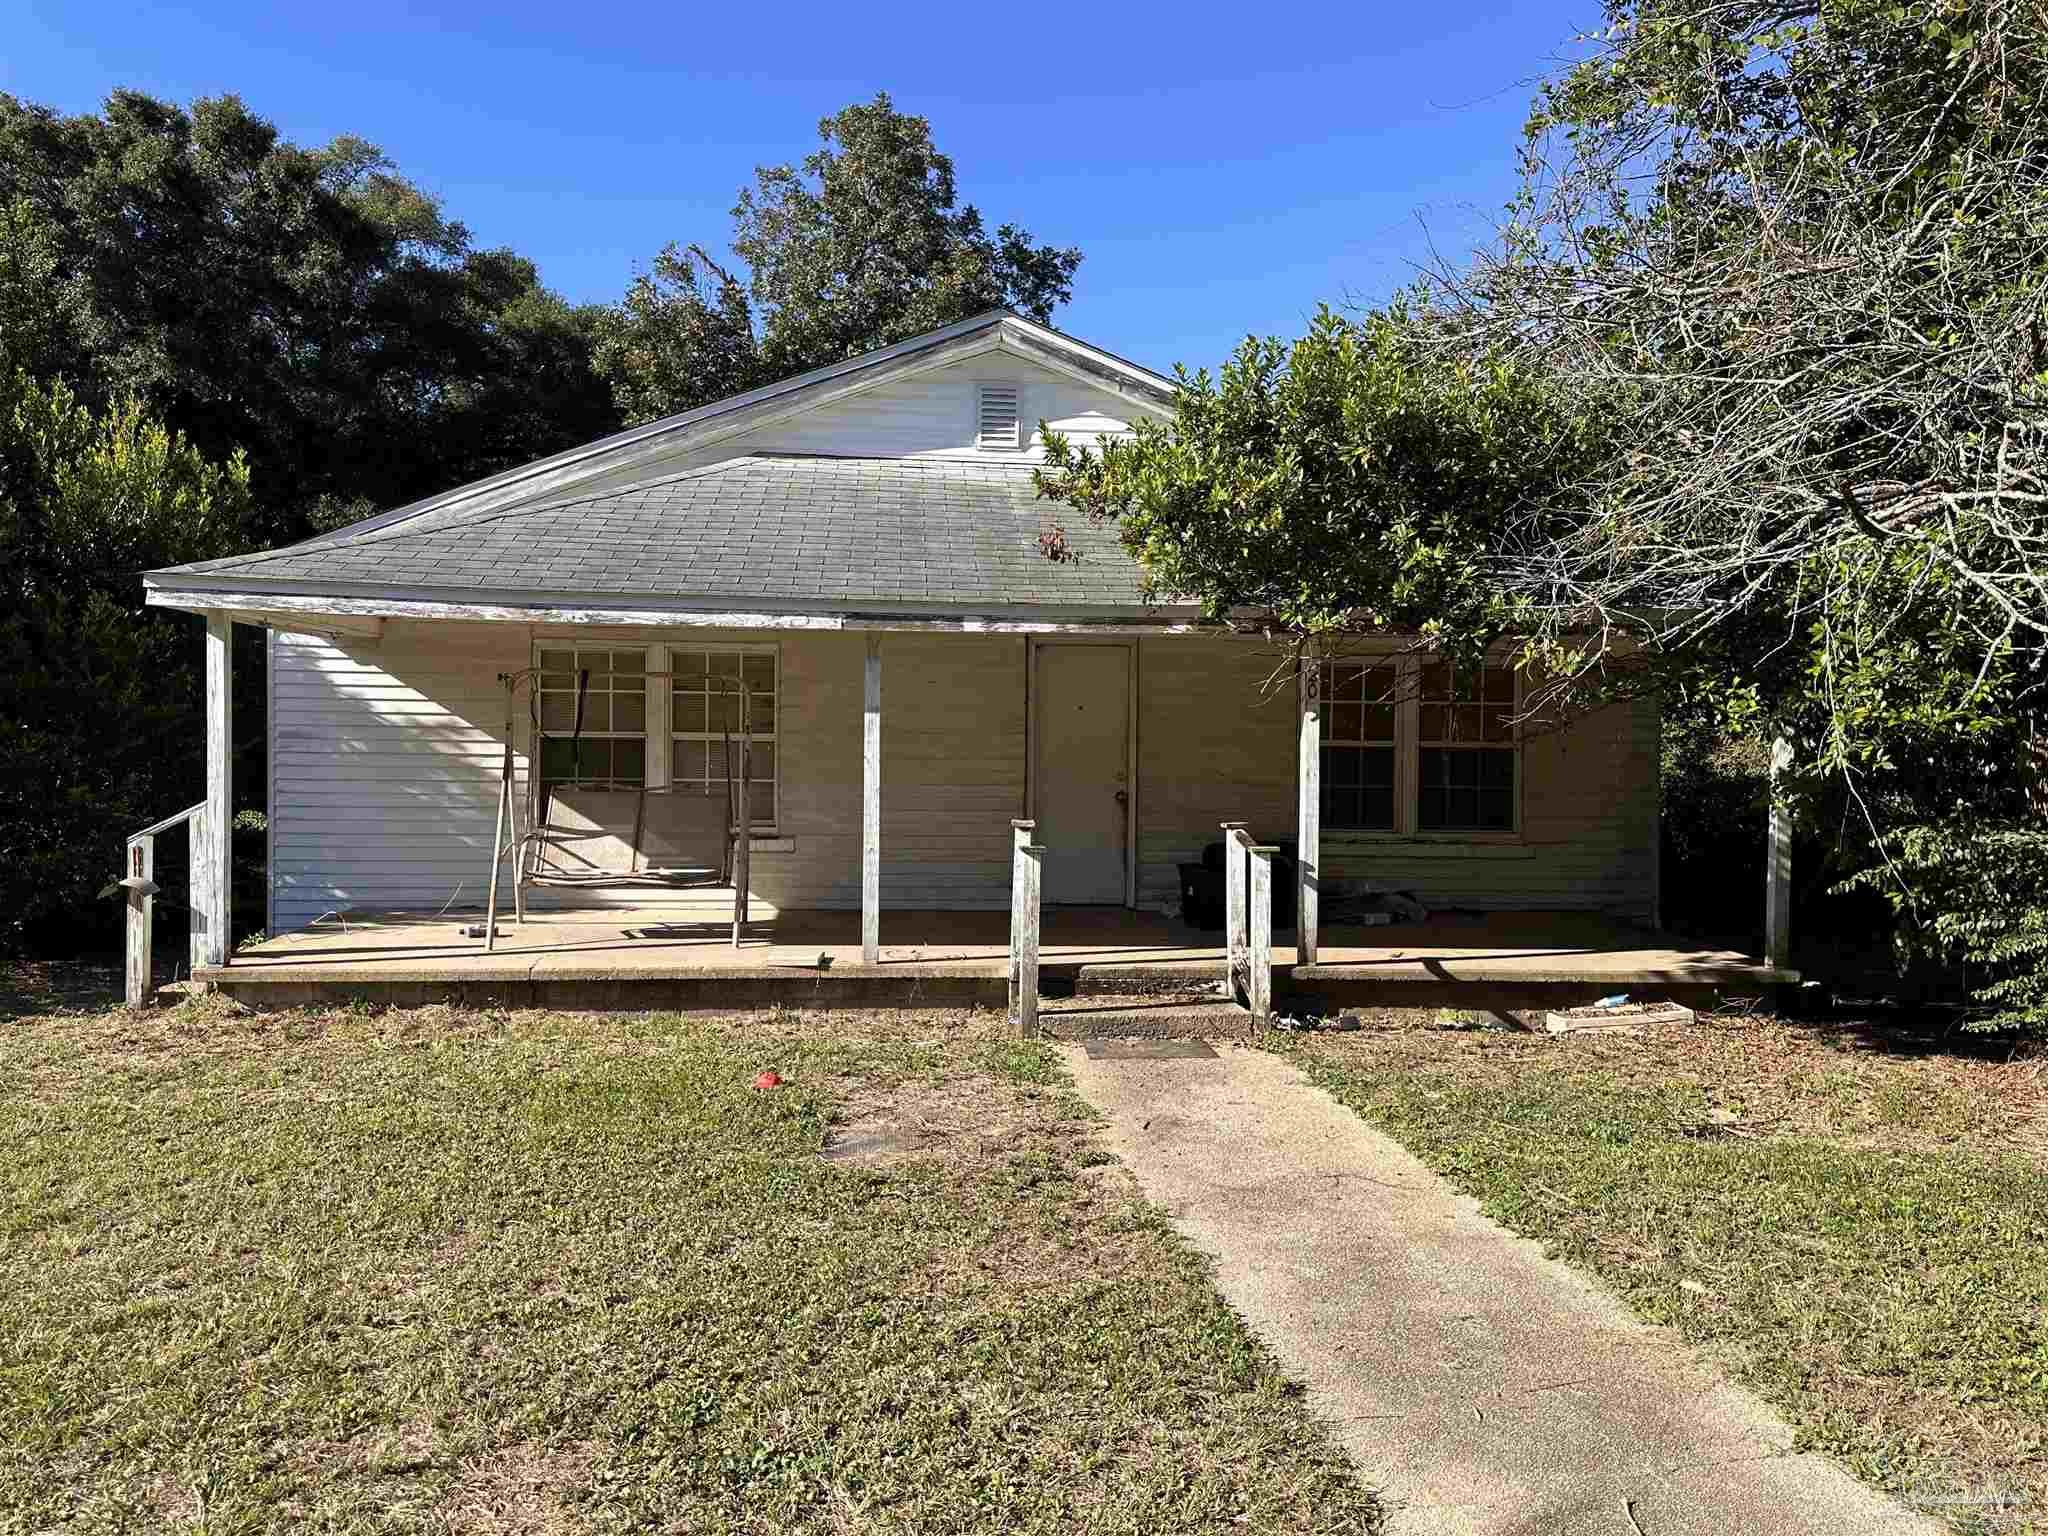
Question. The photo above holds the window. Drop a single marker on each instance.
(1465, 759)
(704, 709)
(1358, 746)
(610, 750)
(997, 426)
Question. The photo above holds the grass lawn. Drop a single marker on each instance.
(437, 1270)
(1856, 1223)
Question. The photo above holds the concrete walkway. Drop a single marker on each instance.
(1482, 1387)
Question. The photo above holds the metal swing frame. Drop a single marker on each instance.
(525, 846)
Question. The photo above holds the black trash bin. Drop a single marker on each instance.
(1201, 888)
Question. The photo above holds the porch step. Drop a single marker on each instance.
(1126, 1017)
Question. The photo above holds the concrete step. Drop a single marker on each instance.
(1106, 1018)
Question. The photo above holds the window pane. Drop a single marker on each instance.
(1500, 685)
(629, 761)
(714, 760)
(764, 712)
(688, 667)
(558, 661)
(1346, 721)
(760, 673)
(1376, 766)
(764, 760)
(554, 760)
(1382, 685)
(723, 713)
(1436, 680)
(1433, 722)
(557, 713)
(1498, 723)
(1429, 809)
(630, 663)
(1343, 680)
(1497, 810)
(689, 712)
(629, 712)
(686, 761)
(1377, 809)
(761, 805)
(1340, 766)
(597, 711)
(724, 663)
(1496, 769)
(1379, 722)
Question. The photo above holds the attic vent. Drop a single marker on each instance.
(996, 426)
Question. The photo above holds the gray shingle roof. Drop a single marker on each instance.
(765, 529)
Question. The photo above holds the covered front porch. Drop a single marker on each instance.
(648, 957)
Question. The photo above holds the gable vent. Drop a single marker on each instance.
(997, 425)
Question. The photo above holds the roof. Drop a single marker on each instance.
(693, 430)
(767, 529)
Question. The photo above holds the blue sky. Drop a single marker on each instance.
(1222, 171)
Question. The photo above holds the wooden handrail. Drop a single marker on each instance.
(170, 821)
(138, 880)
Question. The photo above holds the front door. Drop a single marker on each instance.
(1082, 799)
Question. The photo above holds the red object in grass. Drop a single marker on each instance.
(768, 1080)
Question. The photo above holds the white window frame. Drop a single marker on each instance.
(683, 645)
(544, 693)
(1333, 716)
(1408, 746)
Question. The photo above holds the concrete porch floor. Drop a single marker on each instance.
(609, 958)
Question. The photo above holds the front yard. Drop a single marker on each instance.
(1855, 1222)
(452, 1271)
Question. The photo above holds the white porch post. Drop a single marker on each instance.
(213, 834)
(660, 722)
(871, 807)
(1309, 813)
(1778, 865)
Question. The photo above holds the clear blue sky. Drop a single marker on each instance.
(1222, 172)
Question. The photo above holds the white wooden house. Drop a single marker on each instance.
(861, 545)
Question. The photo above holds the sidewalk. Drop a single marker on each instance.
(1482, 1387)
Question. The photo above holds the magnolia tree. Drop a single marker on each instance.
(1353, 482)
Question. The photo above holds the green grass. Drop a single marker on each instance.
(451, 1271)
(1868, 1247)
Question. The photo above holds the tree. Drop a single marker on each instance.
(1776, 286)
(308, 307)
(862, 244)
(1342, 484)
(97, 695)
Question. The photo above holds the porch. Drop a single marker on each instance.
(648, 957)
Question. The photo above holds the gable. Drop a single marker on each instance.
(930, 415)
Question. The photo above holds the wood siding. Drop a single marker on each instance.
(929, 416)
(385, 759)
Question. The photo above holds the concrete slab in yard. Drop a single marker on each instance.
(1482, 1386)
(1146, 1050)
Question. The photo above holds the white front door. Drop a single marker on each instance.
(1082, 800)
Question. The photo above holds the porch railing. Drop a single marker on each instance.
(1248, 920)
(1024, 917)
(138, 880)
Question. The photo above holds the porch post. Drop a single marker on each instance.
(660, 720)
(871, 806)
(215, 831)
(1309, 814)
(1778, 865)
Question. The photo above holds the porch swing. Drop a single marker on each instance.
(655, 838)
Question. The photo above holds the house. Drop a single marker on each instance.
(860, 545)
